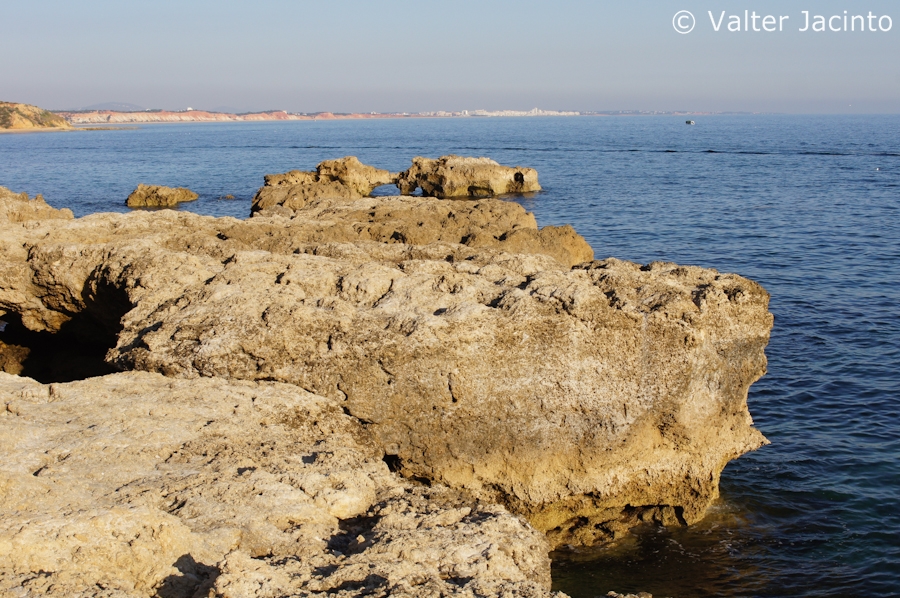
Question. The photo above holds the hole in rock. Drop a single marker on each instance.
(389, 190)
(394, 462)
(75, 352)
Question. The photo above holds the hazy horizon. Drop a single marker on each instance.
(401, 56)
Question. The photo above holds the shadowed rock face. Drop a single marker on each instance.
(586, 399)
(156, 196)
(456, 176)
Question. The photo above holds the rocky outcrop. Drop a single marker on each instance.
(586, 399)
(456, 176)
(346, 178)
(157, 196)
(19, 208)
(139, 485)
(23, 117)
(530, 386)
(487, 223)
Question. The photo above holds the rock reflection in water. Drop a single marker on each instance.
(711, 558)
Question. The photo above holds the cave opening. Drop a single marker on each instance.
(75, 352)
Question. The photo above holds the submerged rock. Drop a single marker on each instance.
(157, 196)
(457, 176)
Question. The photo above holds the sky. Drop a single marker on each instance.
(413, 56)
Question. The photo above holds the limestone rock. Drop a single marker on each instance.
(456, 176)
(12, 357)
(18, 208)
(571, 397)
(486, 223)
(343, 179)
(586, 399)
(138, 485)
(350, 172)
(157, 196)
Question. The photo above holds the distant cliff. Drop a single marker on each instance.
(24, 116)
(166, 116)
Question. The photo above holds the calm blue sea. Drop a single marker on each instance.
(807, 206)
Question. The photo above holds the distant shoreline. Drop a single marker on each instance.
(167, 116)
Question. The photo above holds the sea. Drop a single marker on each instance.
(808, 206)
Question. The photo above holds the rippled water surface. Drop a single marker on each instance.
(807, 206)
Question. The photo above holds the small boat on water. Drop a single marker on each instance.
(689, 122)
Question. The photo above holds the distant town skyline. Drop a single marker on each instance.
(403, 56)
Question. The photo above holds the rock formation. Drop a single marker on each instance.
(451, 340)
(139, 485)
(346, 178)
(25, 117)
(413, 221)
(18, 208)
(456, 176)
(157, 196)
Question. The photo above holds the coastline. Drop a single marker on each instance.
(169, 116)
(377, 337)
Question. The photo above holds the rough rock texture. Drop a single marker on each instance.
(346, 178)
(456, 176)
(157, 196)
(449, 340)
(14, 116)
(134, 484)
(587, 399)
(415, 221)
(18, 208)
(608, 395)
(12, 357)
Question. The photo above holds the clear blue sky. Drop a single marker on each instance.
(399, 55)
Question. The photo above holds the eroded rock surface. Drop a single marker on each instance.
(587, 399)
(135, 484)
(343, 179)
(157, 196)
(19, 208)
(457, 176)
(487, 223)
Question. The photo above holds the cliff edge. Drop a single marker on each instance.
(21, 117)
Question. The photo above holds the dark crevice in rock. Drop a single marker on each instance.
(48, 357)
(76, 351)
(394, 462)
(193, 579)
(355, 534)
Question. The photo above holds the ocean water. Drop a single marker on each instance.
(807, 206)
